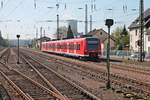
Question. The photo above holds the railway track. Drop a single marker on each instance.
(27, 88)
(69, 90)
(4, 55)
(127, 68)
(115, 66)
(66, 87)
(24, 85)
(101, 75)
(128, 83)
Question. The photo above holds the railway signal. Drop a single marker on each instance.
(108, 23)
(18, 36)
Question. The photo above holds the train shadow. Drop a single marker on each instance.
(77, 58)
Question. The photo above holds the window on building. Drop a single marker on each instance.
(136, 45)
(148, 38)
(135, 32)
(130, 37)
(148, 49)
(101, 33)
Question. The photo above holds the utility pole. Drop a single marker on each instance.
(44, 32)
(41, 37)
(86, 20)
(141, 31)
(57, 27)
(36, 33)
(36, 38)
(90, 22)
(8, 39)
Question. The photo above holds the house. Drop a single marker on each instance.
(147, 40)
(103, 36)
(134, 31)
(43, 39)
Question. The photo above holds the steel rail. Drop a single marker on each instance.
(39, 85)
(3, 53)
(44, 79)
(19, 91)
(32, 81)
(127, 68)
(128, 79)
(92, 96)
(116, 81)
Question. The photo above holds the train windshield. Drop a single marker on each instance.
(92, 43)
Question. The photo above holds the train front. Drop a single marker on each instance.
(93, 48)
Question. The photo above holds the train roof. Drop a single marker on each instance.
(73, 39)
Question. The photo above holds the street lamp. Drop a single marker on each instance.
(108, 23)
(18, 36)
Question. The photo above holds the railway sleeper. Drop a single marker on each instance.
(69, 92)
(43, 97)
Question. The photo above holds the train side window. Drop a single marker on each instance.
(75, 46)
(50, 45)
(46, 46)
(78, 46)
(58, 46)
(71, 46)
(65, 46)
(61, 46)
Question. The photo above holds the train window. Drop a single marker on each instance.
(78, 47)
(92, 43)
(71, 46)
(50, 46)
(65, 46)
(46, 45)
(53, 46)
(92, 46)
(58, 46)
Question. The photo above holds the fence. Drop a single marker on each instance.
(126, 54)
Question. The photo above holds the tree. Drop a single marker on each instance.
(121, 37)
(3, 42)
(124, 31)
(69, 33)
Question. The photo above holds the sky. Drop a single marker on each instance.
(24, 17)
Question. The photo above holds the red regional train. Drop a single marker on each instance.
(87, 47)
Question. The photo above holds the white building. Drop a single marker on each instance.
(134, 31)
(147, 40)
(73, 24)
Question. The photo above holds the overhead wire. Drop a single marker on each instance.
(5, 4)
(125, 8)
(13, 10)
